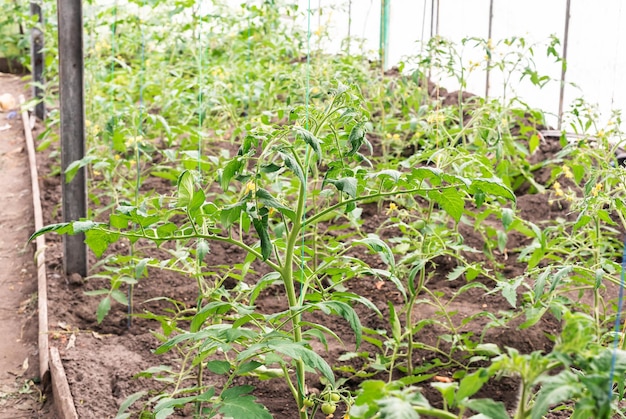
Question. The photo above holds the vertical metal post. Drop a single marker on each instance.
(488, 46)
(349, 25)
(37, 61)
(384, 32)
(564, 62)
(71, 92)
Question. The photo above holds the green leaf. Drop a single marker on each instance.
(493, 186)
(558, 389)
(266, 243)
(99, 241)
(244, 407)
(73, 168)
(311, 140)
(128, 403)
(507, 218)
(356, 138)
(450, 200)
(310, 358)
(60, 228)
(268, 200)
(232, 168)
(82, 226)
(218, 367)
(103, 309)
(347, 312)
(292, 163)
(119, 221)
(185, 189)
(347, 185)
(396, 408)
(202, 249)
(394, 320)
(471, 383)
(377, 245)
(488, 407)
(120, 297)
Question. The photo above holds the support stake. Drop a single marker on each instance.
(564, 63)
(488, 44)
(37, 59)
(385, 6)
(71, 92)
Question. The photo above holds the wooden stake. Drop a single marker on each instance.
(37, 60)
(564, 63)
(71, 92)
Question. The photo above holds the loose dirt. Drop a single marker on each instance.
(20, 396)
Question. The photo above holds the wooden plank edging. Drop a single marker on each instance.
(50, 365)
(63, 400)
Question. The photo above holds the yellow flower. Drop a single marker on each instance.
(392, 207)
(250, 187)
(396, 136)
(601, 133)
(557, 189)
(388, 135)
(567, 172)
(596, 189)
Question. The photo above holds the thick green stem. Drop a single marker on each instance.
(287, 275)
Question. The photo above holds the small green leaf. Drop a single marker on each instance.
(292, 163)
(450, 200)
(507, 218)
(120, 297)
(218, 367)
(128, 403)
(103, 309)
(266, 243)
(311, 140)
(268, 200)
(99, 240)
(347, 185)
(244, 407)
(471, 383)
(356, 138)
(202, 249)
(396, 327)
(488, 407)
(493, 186)
(185, 189)
(377, 245)
(396, 408)
(60, 228)
(232, 168)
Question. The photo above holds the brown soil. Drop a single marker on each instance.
(20, 396)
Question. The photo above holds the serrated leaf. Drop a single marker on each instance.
(312, 141)
(202, 249)
(560, 388)
(356, 138)
(380, 247)
(488, 407)
(120, 297)
(128, 403)
(493, 186)
(471, 383)
(244, 407)
(310, 358)
(268, 200)
(450, 200)
(99, 241)
(266, 243)
(103, 309)
(218, 367)
(185, 189)
(82, 226)
(60, 228)
(507, 218)
(394, 320)
(230, 170)
(292, 164)
(347, 312)
(396, 408)
(347, 185)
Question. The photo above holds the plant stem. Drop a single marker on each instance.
(289, 283)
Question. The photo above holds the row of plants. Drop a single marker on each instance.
(172, 87)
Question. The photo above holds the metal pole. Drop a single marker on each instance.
(71, 92)
(564, 62)
(37, 60)
(384, 32)
(488, 46)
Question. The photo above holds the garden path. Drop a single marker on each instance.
(19, 397)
